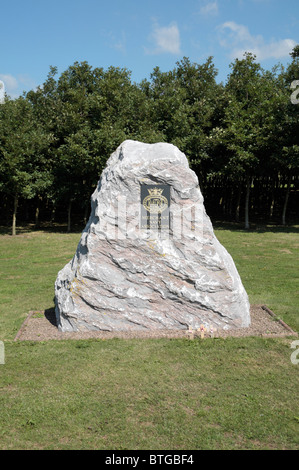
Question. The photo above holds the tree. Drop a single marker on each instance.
(23, 144)
(183, 104)
(90, 112)
(288, 130)
(245, 125)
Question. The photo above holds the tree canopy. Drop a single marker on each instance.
(241, 137)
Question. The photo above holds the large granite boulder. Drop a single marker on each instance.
(148, 258)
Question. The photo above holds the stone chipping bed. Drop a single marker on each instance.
(41, 326)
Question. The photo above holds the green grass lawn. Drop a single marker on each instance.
(237, 393)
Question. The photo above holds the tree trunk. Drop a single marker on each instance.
(37, 211)
(14, 215)
(273, 186)
(53, 212)
(237, 213)
(272, 205)
(69, 210)
(86, 213)
(286, 201)
(248, 185)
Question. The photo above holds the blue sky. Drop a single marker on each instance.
(139, 35)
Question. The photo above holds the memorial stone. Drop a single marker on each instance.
(148, 258)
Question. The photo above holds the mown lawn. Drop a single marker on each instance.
(237, 393)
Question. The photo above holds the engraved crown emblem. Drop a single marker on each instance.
(155, 191)
(155, 202)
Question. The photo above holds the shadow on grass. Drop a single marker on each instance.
(45, 227)
(255, 227)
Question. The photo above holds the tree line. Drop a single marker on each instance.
(240, 137)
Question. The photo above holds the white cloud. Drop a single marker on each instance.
(14, 86)
(2, 92)
(27, 82)
(10, 82)
(238, 39)
(114, 42)
(166, 39)
(210, 8)
(120, 45)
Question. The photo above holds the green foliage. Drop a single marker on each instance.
(24, 145)
(183, 102)
(55, 141)
(246, 128)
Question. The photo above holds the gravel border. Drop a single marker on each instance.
(41, 326)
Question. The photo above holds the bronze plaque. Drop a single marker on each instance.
(155, 203)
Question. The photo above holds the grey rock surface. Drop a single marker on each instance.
(125, 278)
